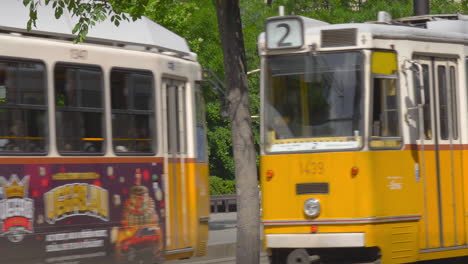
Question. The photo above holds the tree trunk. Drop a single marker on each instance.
(248, 211)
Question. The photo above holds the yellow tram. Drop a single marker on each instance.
(364, 138)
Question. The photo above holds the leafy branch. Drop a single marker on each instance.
(89, 12)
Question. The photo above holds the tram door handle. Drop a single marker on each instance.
(409, 114)
(420, 105)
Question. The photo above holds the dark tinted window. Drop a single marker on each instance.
(442, 82)
(385, 122)
(22, 107)
(201, 126)
(453, 92)
(132, 111)
(176, 116)
(79, 109)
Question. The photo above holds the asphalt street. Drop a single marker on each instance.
(221, 242)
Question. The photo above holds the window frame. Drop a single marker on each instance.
(265, 86)
(151, 113)
(181, 87)
(44, 107)
(77, 109)
(453, 78)
(373, 77)
(443, 90)
(200, 121)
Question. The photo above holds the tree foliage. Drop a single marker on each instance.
(89, 12)
(221, 186)
(196, 22)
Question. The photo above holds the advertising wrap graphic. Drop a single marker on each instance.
(140, 237)
(82, 213)
(16, 209)
(76, 199)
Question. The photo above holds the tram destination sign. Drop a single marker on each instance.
(284, 32)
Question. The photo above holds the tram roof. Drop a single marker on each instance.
(142, 32)
(441, 31)
(452, 29)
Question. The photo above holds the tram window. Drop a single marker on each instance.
(385, 116)
(79, 109)
(201, 126)
(427, 101)
(453, 89)
(443, 111)
(132, 112)
(176, 117)
(314, 97)
(22, 107)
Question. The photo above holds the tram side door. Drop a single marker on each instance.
(449, 153)
(175, 152)
(441, 162)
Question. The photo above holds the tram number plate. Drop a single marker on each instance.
(78, 54)
(284, 33)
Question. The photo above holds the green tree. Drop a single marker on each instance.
(221, 186)
(89, 12)
(194, 21)
(237, 98)
(344, 11)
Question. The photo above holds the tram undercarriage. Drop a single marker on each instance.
(326, 256)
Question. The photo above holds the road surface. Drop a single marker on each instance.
(221, 242)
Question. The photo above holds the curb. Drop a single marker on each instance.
(221, 250)
(217, 253)
(263, 259)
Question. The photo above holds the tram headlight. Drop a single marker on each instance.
(312, 207)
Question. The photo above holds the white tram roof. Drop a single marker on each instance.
(143, 32)
(429, 28)
(438, 28)
(436, 34)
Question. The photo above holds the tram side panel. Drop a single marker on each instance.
(398, 198)
(202, 207)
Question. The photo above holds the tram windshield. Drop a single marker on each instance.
(313, 102)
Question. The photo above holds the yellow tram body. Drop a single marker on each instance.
(359, 199)
(366, 187)
(190, 234)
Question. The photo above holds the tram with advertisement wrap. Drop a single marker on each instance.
(102, 144)
(364, 138)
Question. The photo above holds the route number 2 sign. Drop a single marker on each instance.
(284, 33)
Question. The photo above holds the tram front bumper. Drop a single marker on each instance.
(329, 240)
